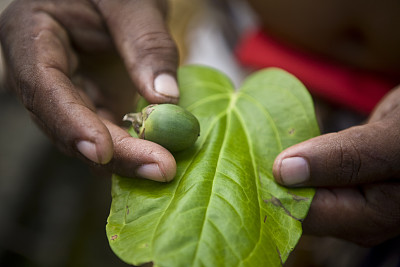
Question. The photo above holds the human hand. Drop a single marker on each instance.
(75, 64)
(356, 172)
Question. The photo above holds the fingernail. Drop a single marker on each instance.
(294, 171)
(151, 172)
(89, 150)
(166, 85)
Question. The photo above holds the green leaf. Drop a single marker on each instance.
(223, 208)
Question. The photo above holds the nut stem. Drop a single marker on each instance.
(136, 119)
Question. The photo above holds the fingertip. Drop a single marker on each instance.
(139, 158)
(162, 170)
(168, 168)
(294, 171)
(161, 89)
(94, 152)
(276, 170)
(291, 170)
(166, 86)
(88, 150)
(94, 142)
(150, 171)
(105, 153)
(154, 172)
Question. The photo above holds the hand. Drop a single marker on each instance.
(356, 172)
(76, 64)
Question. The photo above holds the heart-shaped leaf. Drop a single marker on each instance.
(223, 208)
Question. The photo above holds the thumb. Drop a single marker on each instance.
(360, 154)
(139, 32)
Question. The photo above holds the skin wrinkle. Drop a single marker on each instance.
(347, 162)
(387, 153)
(48, 24)
(152, 44)
(71, 59)
(26, 91)
(356, 163)
(378, 221)
(332, 160)
(156, 49)
(339, 174)
(120, 141)
(350, 159)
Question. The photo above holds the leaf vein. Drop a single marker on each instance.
(268, 116)
(231, 104)
(207, 100)
(184, 174)
(242, 123)
(223, 236)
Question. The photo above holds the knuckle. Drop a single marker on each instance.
(382, 214)
(121, 141)
(24, 71)
(157, 43)
(26, 83)
(45, 27)
(348, 161)
(385, 215)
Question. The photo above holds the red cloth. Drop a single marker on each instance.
(358, 90)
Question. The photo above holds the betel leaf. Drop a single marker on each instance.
(223, 208)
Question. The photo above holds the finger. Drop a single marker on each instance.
(357, 155)
(40, 63)
(134, 157)
(139, 31)
(366, 215)
(388, 107)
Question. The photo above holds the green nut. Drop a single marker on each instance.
(168, 125)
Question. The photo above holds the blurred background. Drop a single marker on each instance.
(53, 209)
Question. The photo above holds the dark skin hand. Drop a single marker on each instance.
(53, 50)
(356, 171)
